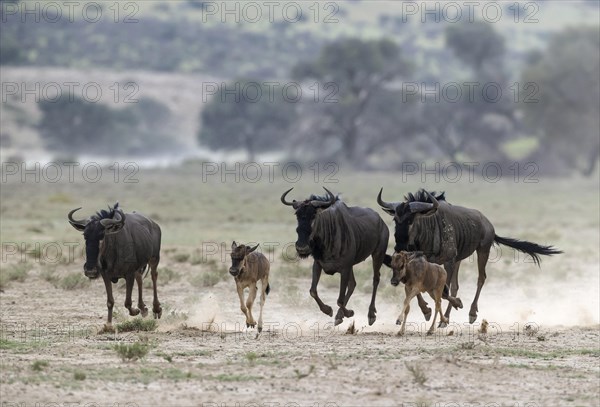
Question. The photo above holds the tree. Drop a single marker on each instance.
(355, 71)
(567, 84)
(476, 44)
(74, 125)
(247, 115)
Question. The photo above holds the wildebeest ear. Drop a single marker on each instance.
(251, 249)
(233, 245)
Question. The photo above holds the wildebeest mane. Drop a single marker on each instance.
(331, 230)
(323, 198)
(421, 196)
(104, 214)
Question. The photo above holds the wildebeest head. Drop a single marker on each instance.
(238, 258)
(421, 203)
(94, 230)
(399, 261)
(305, 214)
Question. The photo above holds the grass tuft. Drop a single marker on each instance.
(137, 325)
(130, 352)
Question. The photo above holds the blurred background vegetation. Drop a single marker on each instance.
(367, 72)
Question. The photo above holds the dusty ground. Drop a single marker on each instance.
(542, 345)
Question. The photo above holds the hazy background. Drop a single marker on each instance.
(381, 83)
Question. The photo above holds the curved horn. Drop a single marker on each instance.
(317, 204)
(118, 218)
(435, 201)
(283, 201)
(82, 222)
(391, 206)
(420, 206)
(250, 250)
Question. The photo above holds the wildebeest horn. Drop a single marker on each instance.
(435, 201)
(420, 206)
(317, 203)
(252, 248)
(283, 201)
(118, 218)
(383, 204)
(82, 222)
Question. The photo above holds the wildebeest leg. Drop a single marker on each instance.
(250, 322)
(377, 262)
(263, 294)
(156, 308)
(348, 313)
(316, 275)
(141, 305)
(410, 294)
(452, 281)
(129, 280)
(424, 308)
(344, 280)
(436, 294)
(482, 257)
(240, 291)
(110, 301)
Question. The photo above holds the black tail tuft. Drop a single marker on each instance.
(387, 260)
(446, 292)
(532, 249)
(268, 289)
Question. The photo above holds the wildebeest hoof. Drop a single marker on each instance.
(459, 303)
(259, 329)
(348, 313)
(108, 328)
(427, 314)
(337, 321)
(328, 310)
(472, 318)
(398, 322)
(144, 312)
(157, 314)
(114, 280)
(442, 324)
(430, 332)
(134, 311)
(372, 320)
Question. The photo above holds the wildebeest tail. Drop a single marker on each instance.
(268, 289)
(446, 292)
(532, 249)
(387, 260)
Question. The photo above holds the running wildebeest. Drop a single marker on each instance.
(338, 237)
(247, 268)
(121, 246)
(448, 234)
(419, 276)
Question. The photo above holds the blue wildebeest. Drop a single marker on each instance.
(419, 276)
(338, 237)
(247, 268)
(121, 246)
(448, 234)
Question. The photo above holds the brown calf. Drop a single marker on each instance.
(247, 268)
(419, 276)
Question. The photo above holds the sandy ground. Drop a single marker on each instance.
(202, 354)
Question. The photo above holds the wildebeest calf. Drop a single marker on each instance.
(419, 276)
(247, 268)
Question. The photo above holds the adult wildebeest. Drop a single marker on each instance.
(338, 237)
(419, 276)
(121, 246)
(448, 234)
(247, 268)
